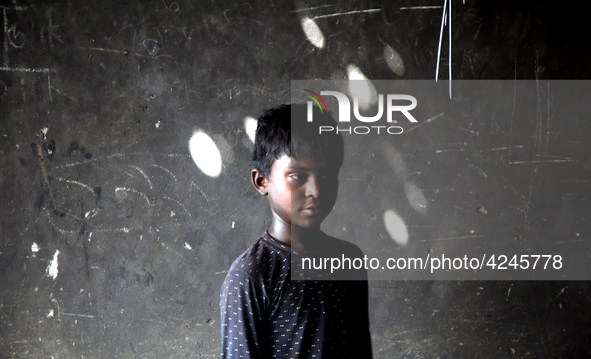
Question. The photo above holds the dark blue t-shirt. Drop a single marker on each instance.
(266, 314)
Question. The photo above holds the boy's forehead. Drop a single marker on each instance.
(302, 162)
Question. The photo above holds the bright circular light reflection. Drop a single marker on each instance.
(250, 126)
(313, 32)
(415, 197)
(361, 88)
(395, 160)
(206, 154)
(396, 227)
(394, 60)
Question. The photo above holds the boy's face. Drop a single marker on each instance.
(302, 191)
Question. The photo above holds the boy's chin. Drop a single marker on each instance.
(307, 224)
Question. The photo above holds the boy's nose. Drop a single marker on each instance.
(313, 187)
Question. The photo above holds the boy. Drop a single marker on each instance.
(264, 312)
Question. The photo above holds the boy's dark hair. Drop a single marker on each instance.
(285, 130)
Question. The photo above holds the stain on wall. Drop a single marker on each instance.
(125, 138)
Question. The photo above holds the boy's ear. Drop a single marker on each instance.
(259, 181)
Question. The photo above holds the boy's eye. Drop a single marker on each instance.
(297, 177)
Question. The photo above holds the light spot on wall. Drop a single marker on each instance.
(361, 88)
(206, 154)
(396, 161)
(313, 32)
(396, 227)
(250, 126)
(415, 197)
(394, 60)
(35, 248)
(52, 268)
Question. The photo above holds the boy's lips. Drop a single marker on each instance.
(315, 209)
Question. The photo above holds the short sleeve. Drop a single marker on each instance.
(243, 325)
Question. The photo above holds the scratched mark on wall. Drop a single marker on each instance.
(80, 208)
(26, 41)
(26, 44)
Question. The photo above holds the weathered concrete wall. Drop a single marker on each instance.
(113, 243)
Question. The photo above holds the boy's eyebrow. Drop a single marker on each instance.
(307, 169)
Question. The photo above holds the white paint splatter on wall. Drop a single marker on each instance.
(52, 270)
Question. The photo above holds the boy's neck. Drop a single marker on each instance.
(298, 238)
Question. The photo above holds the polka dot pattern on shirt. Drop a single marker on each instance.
(266, 314)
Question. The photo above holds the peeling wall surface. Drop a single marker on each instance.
(125, 158)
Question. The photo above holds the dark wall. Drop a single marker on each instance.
(98, 102)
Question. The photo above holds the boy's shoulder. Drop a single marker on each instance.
(333, 251)
(265, 258)
(333, 246)
(267, 261)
